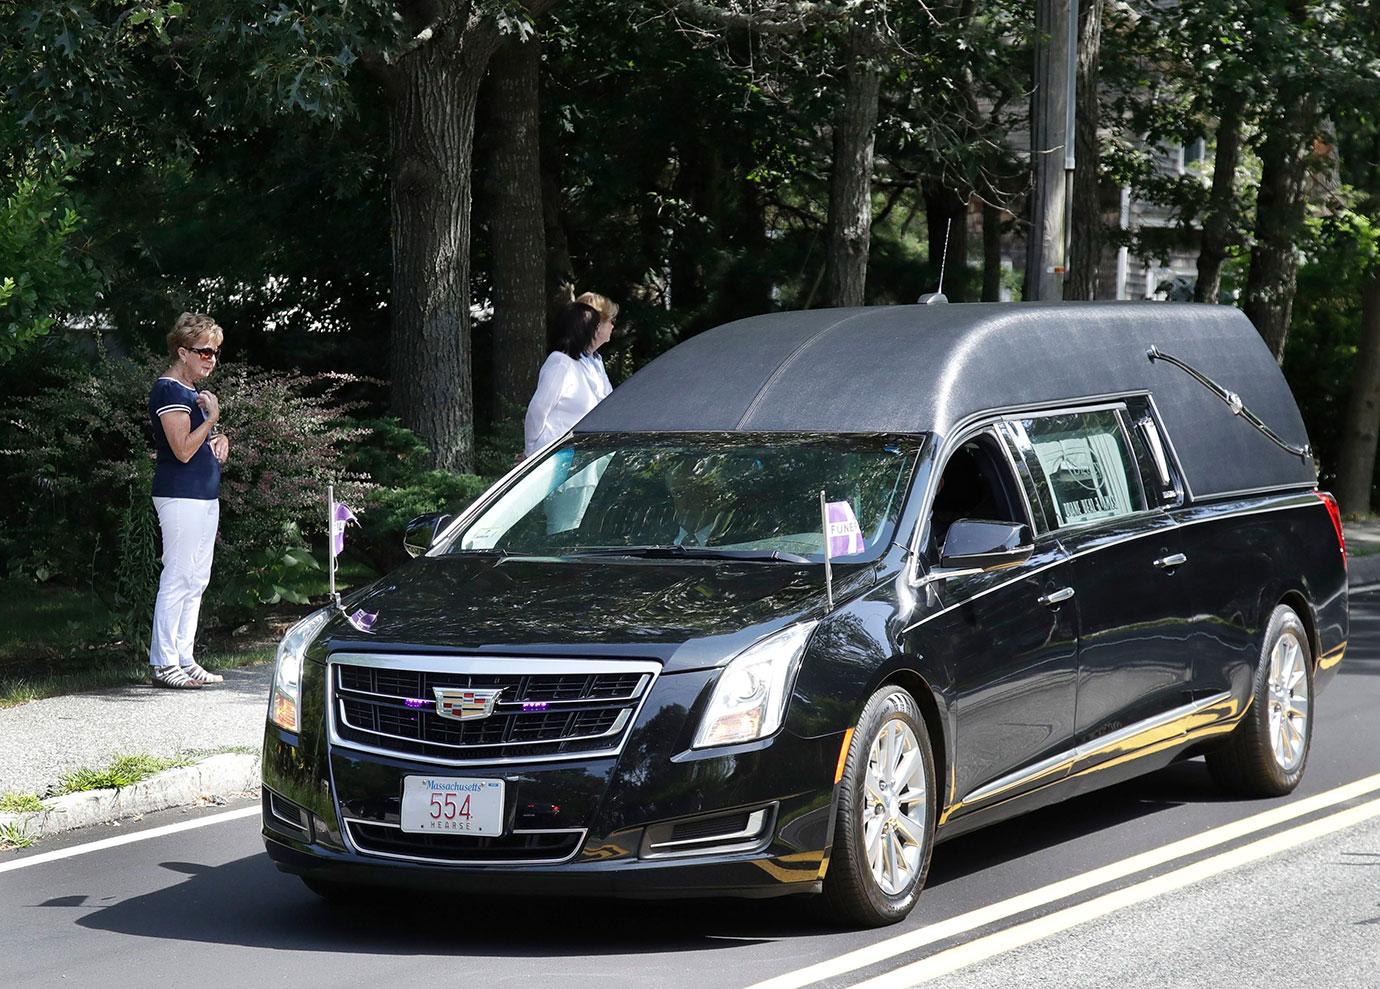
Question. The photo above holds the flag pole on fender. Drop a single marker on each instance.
(330, 539)
(828, 570)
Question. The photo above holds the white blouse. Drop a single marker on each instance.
(566, 390)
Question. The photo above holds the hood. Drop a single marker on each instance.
(690, 614)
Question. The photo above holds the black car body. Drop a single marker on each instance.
(1100, 548)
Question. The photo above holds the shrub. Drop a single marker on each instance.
(394, 461)
(75, 460)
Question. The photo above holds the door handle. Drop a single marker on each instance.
(1055, 597)
(1171, 561)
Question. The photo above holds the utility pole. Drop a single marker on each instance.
(1052, 106)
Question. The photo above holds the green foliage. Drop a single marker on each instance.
(75, 450)
(136, 574)
(1320, 355)
(19, 803)
(123, 771)
(12, 837)
(42, 270)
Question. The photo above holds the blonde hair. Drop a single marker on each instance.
(189, 328)
(607, 308)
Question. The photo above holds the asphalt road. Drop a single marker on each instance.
(1249, 893)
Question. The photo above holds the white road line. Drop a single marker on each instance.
(125, 839)
(1045, 895)
(984, 948)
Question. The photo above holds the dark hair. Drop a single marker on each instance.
(574, 329)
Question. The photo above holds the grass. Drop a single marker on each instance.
(12, 837)
(55, 640)
(125, 770)
(19, 803)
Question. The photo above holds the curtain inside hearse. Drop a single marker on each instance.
(1086, 459)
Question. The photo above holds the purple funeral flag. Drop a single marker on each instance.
(362, 620)
(340, 515)
(845, 535)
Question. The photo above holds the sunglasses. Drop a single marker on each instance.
(210, 353)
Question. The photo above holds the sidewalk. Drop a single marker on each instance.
(43, 740)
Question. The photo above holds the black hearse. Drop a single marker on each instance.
(1075, 543)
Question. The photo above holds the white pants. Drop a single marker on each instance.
(189, 539)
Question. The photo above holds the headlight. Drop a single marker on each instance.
(287, 671)
(750, 697)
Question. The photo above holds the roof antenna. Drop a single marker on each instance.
(930, 298)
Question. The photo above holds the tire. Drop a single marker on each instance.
(1266, 753)
(881, 888)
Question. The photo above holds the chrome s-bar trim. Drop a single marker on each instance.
(488, 863)
(1178, 523)
(1233, 402)
(753, 829)
(614, 729)
(482, 664)
(1072, 757)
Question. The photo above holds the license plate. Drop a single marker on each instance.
(452, 805)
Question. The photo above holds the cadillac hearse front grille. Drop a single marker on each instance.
(468, 710)
(520, 847)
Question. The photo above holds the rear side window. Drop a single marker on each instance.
(1086, 463)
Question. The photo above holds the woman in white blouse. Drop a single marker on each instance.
(572, 381)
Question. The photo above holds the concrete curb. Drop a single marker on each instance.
(212, 780)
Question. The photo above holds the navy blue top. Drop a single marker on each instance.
(199, 477)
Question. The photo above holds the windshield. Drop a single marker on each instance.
(707, 495)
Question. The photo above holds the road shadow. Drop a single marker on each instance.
(249, 903)
(1181, 783)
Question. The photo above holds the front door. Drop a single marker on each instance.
(1008, 639)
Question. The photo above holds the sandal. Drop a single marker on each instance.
(174, 677)
(202, 676)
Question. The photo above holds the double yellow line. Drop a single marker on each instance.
(988, 946)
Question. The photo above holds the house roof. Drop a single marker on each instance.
(912, 369)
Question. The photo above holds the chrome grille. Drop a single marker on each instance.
(549, 709)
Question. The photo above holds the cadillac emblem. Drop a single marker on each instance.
(465, 705)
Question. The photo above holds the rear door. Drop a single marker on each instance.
(1008, 639)
(1125, 550)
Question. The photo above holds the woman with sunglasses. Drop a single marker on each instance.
(186, 493)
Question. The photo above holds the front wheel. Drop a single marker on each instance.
(884, 829)
(1264, 756)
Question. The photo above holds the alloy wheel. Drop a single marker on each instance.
(895, 807)
(1288, 691)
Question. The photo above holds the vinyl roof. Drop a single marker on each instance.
(911, 369)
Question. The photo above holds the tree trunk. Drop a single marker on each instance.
(1048, 113)
(1279, 215)
(433, 93)
(946, 215)
(991, 252)
(1219, 219)
(560, 269)
(1356, 462)
(513, 190)
(850, 180)
(1085, 239)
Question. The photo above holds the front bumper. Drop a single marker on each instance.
(616, 812)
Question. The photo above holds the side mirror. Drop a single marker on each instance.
(421, 532)
(974, 545)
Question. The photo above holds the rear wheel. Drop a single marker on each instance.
(884, 829)
(1266, 753)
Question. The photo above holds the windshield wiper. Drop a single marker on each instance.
(672, 551)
